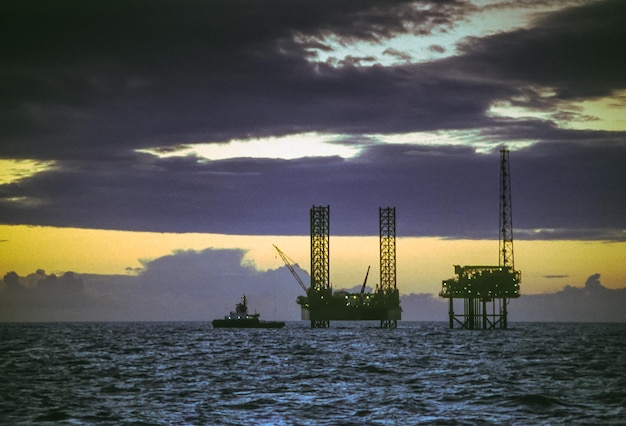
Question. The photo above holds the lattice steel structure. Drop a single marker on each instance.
(320, 260)
(388, 291)
(387, 248)
(321, 304)
(320, 246)
(506, 212)
(486, 290)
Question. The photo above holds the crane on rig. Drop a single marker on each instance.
(365, 280)
(288, 263)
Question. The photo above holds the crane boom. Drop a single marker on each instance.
(288, 261)
(365, 280)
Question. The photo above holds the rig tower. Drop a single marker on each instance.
(321, 304)
(506, 212)
(388, 290)
(320, 261)
(486, 290)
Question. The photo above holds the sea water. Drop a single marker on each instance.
(349, 374)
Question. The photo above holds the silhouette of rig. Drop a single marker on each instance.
(487, 290)
(321, 304)
(484, 290)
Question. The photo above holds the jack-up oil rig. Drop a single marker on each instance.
(321, 304)
(486, 290)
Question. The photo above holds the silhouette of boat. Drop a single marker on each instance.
(240, 318)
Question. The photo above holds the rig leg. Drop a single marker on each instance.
(320, 323)
(484, 312)
(469, 304)
(388, 323)
(504, 314)
(451, 313)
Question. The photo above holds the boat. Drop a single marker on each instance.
(240, 318)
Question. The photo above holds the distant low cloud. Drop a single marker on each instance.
(423, 307)
(186, 285)
(591, 303)
(204, 285)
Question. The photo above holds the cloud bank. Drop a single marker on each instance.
(185, 286)
(201, 286)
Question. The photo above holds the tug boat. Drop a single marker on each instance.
(240, 318)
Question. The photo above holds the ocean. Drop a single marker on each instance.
(350, 374)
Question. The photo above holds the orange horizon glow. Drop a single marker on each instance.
(422, 262)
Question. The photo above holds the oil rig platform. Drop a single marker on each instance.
(487, 290)
(321, 304)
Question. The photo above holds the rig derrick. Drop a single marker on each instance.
(321, 304)
(486, 290)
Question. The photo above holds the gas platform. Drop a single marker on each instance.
(486, 290)
(321, 304)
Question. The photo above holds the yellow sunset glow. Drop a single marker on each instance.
(15, 170)
(606, 113)
(422, 263)
(609, 113)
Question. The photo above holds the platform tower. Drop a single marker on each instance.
(506, 212)
(506, 224)
(388, 290)
(387, 248)
(320, 259)
(486, 290)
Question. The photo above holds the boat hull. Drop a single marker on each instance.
(246, 323)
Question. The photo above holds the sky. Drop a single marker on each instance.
(151, 151)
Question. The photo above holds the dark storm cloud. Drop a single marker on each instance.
(571, 190)
(576, 51)
(80, 79)
(86, 84)
(559, 191)
(91, 79)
